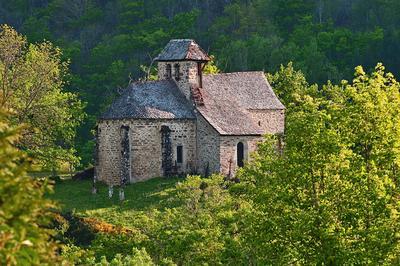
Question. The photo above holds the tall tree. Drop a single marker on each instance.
(32, 77)
(332, 197)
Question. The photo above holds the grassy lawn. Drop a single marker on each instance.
(157, 193)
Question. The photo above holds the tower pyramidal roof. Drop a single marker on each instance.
(182, 49)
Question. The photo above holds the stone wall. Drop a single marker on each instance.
(162, 70)
(208, 151)
(145, 147)
(188, 75)
(228, 151)
(109, 155)
(271, 121)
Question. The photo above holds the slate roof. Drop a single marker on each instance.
(182, 49)
(228, 97)
(151, 100)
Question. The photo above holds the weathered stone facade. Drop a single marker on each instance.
(145, 148)
(188, 75)
(208, 151)
(271, 121)
(228, 151)
(214, 153)
(184, 122)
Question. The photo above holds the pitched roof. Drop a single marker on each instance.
(228, 97)
(182, 49)
(152, 100)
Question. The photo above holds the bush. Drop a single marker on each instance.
(109, 245)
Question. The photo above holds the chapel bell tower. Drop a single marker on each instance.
(182, 61)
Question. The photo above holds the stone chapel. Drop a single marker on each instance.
(186, 121)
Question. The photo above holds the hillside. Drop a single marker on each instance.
(108, 41)
(159, 193)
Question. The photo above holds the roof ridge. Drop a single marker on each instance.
(238, 72)
(182, 49)
(182, 39)
(148, 81)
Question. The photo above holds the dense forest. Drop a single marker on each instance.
(111, 42)
(329, 197)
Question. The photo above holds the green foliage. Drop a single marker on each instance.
(23, 210)
(32, 78)
(151, 72)
(138, 257)
(195, 221)
(332, 198)
(108, 41)
(211, 67)
(289, 85)
(109, 245)
(77, 256)
(205, 229)
(316, 204)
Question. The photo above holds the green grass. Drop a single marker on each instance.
(76, 196)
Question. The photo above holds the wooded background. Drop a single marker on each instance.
(107, 42)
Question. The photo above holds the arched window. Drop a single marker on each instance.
(240, 154)
(177, 72)
(169, 71)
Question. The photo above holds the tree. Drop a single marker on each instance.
(211, 67)
(32, 77)
(372, 132)
(332, 197)
(289, 84)
(24, 212)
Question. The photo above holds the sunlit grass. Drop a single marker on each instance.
(158, 193)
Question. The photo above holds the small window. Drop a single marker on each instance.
(240, 154)
(177, 72)
(259, 123)
(169, 71)
(179, 154)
